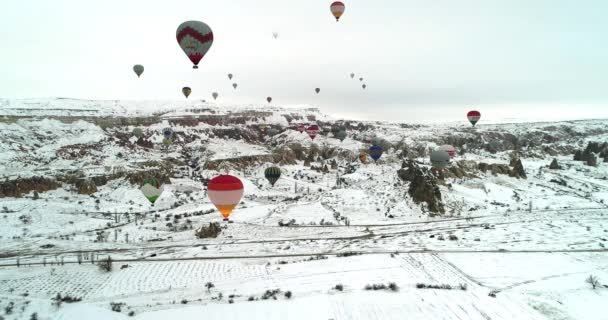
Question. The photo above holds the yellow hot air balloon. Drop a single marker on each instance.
(186, 91)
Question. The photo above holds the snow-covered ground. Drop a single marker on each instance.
(506, 248)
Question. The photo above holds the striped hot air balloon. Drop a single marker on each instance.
(473, 116)
(152, 189)
(225, 192)
(337, 9)
(186, 91)
(167, 133)
(195, 38)
(272, 174)
(301, 128)
(312, 131)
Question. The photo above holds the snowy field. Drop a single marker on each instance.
(506, 248)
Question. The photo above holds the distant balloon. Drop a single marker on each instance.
(186, 91)
(152, 189)
(360, 79)
(167, 133)
(341, 135)
(449, 149)
(234, 85)
(138, 133)
(364, 86)
(214, 95)
(440, 159)
(139, 69)
(376, 141)
(301, 128)
(275, 35)
(312, 131)
(317, 90)
(230, 76)
(195, 38)
(272, 174)
(337, 9)
(375, 152)
(225, 192)
(352, 75)
(473, 117)
(269, 99)
(272, 132)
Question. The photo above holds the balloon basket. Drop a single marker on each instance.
(194, 67)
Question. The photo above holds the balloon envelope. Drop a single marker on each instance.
(215, 95)
(152, 189)
(138, 132)
(272, 174)
(186, 91)
(195, 38)
(449, 149)
(230, 76)
(301, 128)
(375, 152)
(269, 99)
(341, 135)
(139, 69)
(167, 133)
(312, 131)
(352, 75)
(234, 85)
(440, 159)
(473, 116)
(337, 9)
(225, 192)
(317, 90)
(364, 86)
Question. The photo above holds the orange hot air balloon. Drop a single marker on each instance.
(225, 192)
(337, 9)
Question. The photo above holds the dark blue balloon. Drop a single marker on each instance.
(375, 152)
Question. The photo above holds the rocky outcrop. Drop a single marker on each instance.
(423, 186)
(211, 231)
(591, 153)
(554, 165)
(19, 187)
(518, 169)
(86, 187)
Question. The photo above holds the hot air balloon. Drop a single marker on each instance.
(230, 76)
(139, 69)
(234, 85)
(272, 132)
(195, 38)
(376, 141)
(317, 90)
(186, 91)
(337, 9)
(301, 128)
(440, 159)
(360, 79)
(225, 192)
(269, 99)
(138, 133)
(167, 133)
(341, 135)
(214, 95)
(152, 189)
(449, 149)
(375, 152)
(363, 157)
(364, 86)
(272, 174)
(312, 131)
(275, 35)
(352, 75)
(473, 117)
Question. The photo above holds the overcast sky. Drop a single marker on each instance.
(421, 56)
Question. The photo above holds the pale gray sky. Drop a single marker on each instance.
(416, 56)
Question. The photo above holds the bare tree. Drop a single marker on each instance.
(593, 281)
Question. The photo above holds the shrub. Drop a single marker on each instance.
(288, 294)
(131, 313)
(493, 293)
(34, 316)
(209, 285)
(420, 285)
(105, 264)
(339, 287)
(393, 286)
(348, 254)
(251, 298)
(453, 237)
(593, 281)
(184, 301)
(230, 301)
(463, 286)
(117, 306)
(9, 308)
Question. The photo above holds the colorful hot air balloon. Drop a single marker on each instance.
(364, 86)
(139, 69)
(195, 38)
(234, 85)
(312, 131)
(214, 95)
(352, 75)
(440, 159)
(375, 152)
(225, 192)
(269, 99)
(186, 91)
(152, 189)
(301, 128)
(337, 9)
(449, 149)
(167, 133)
(272, 174)
(230, 76)
(138, 133)
(341, 135)
(317, 90)
(473, 117)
